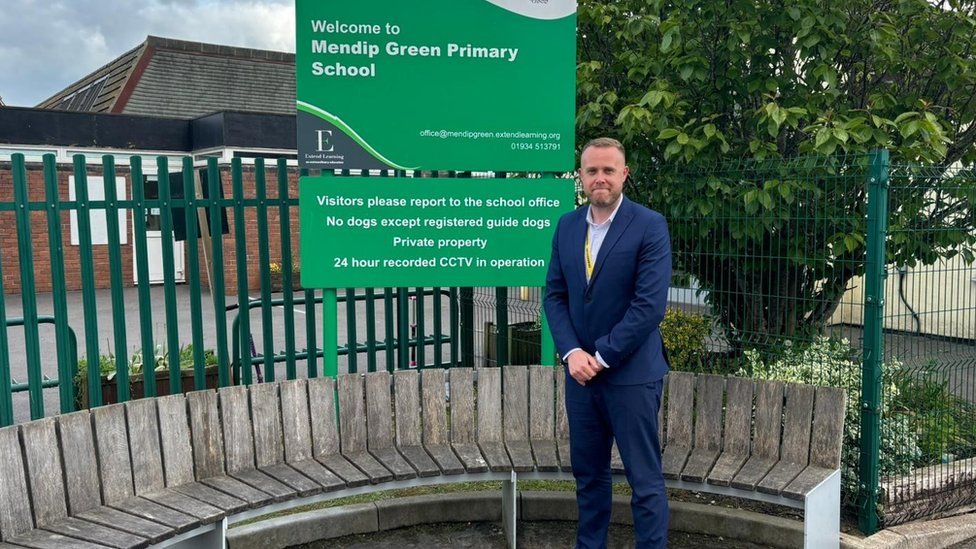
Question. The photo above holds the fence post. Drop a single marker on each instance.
(874, 274)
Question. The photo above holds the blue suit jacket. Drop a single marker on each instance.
(619, 312)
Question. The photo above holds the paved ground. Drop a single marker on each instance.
(104, 326)
(532, 535)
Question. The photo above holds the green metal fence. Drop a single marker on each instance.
(810, 270)
(145, 341)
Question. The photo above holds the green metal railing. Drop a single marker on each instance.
(188, 312)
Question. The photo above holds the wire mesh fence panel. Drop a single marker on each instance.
(767, 258)
(929, 430)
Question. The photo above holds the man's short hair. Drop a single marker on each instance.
(605, 142)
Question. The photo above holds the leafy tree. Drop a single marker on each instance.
(690, 82)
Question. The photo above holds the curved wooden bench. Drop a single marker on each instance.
(176, 470)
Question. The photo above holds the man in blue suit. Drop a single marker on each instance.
(606, 292)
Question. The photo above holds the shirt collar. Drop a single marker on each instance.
(616, 208)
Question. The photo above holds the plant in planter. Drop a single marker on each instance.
(137, 371)
(524, 343)
(278, 276)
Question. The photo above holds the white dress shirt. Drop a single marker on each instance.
(596, 234)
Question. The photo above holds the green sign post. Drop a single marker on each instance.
(378, 232)
(436, 84)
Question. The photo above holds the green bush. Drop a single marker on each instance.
(944, 423)
(685, 335)
(833, 362)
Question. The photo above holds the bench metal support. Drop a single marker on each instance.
(821, 514)
(210, 536)
(510, 509)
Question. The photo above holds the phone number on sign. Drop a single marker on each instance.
(535, 146)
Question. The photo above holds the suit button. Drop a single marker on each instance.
(588, 299)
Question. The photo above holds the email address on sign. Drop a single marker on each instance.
(468, 134)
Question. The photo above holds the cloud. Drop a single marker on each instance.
(45, 45)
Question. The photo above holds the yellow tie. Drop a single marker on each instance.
(586, 255)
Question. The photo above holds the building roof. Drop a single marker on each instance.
(180, 79)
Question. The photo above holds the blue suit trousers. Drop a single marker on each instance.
(599, 413)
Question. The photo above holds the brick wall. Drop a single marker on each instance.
(41, 253)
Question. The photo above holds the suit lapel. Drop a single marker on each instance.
(623, 218)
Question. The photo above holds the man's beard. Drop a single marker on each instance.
(601, 202)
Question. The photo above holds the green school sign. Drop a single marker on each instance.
(436, 84)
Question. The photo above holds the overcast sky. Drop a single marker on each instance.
(47, 44)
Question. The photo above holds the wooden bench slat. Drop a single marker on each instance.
(236, 423)
(736, 432)
(708, 428)
(769, 419)
(113, 518)
(15, 513)
(41, 539)
(779, 477)
(726, 467)
(206, 430)
(490, 437)
(681, 397)
(319, 474)
(738, 415)
(174, 434)
(436, 433)
(96, 533)
(464, 432)
(806, 481)
(616, 462)
(406, 392)
(269, 447)
(112, 443)
(463, 406)
(322, 412)
(146, 453)
(433, 408)
(80, 464)
(542, 405)
(295, 421)
(352, 414)
(797, 423)
(237, 489)
(277, 490)
(562, 422)
(291, 478)
(43, 462)
(345, 470)
(827, 438)
(379, 426)
(542, 417)
(177, 522)
(185, 504)
(752, 472)
(227, 503)
(515, 411)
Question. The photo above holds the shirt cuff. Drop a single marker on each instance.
(571, 351)
(600, 360)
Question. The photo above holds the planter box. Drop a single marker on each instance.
(110, 389)
(524, 343)
(278, 282)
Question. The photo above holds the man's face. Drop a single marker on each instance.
(603, 173)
